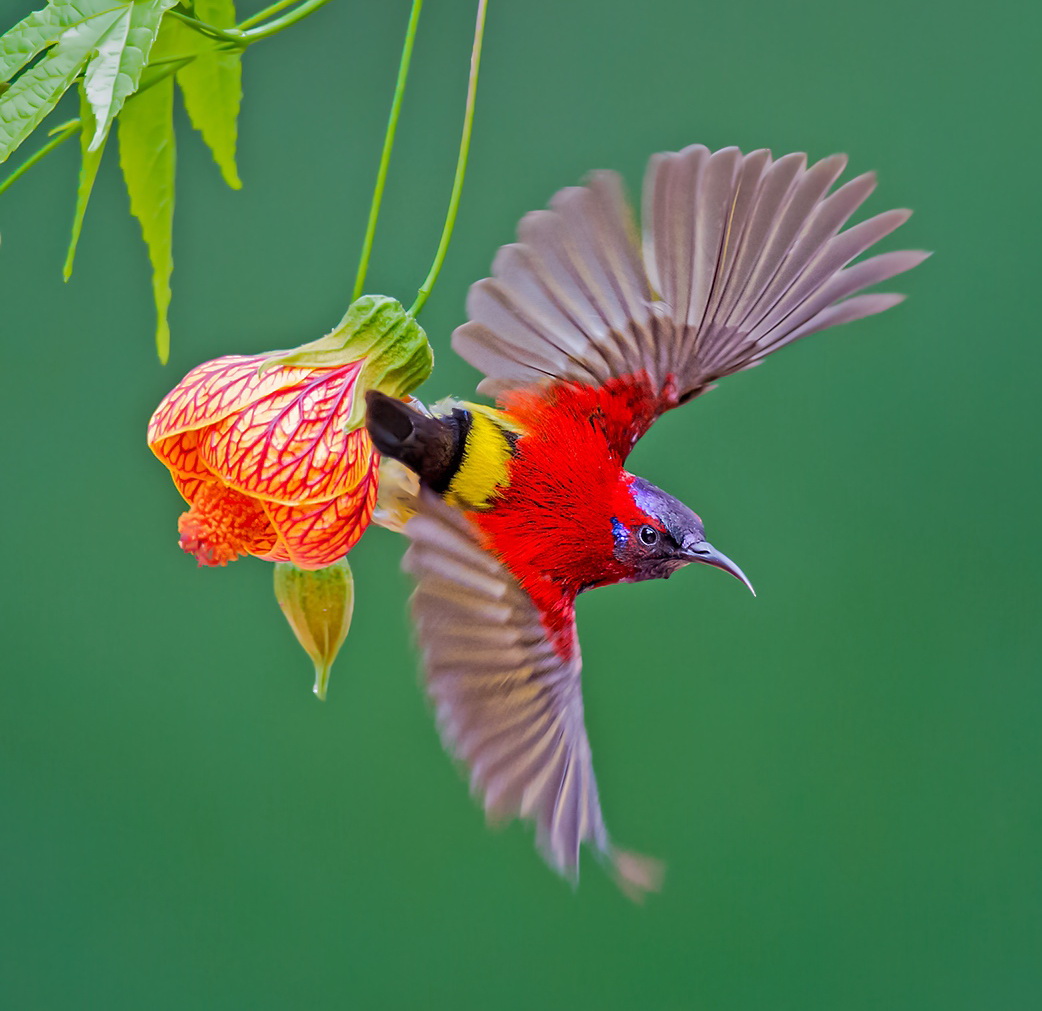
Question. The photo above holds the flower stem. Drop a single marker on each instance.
(268, 12)
(61, 135)
(461, 165)
(243, 34)
(276, 26)
(385, 156)
(233, 35)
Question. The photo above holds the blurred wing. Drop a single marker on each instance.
(741, 255)
(506, 703)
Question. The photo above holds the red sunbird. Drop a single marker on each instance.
(587, 332)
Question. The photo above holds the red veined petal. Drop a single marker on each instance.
(190, 476)
(291, 447)
(215, 389)
(180, 453)
(277, 554)
(189, 487)
(318, 534)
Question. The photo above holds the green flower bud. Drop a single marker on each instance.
(317, 604)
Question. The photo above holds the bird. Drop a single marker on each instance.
(586, 332)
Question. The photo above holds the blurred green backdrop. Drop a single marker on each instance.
(842, 775)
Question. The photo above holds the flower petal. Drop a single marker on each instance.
(318, 534)
(181, 455)
(291, 447)
(214, 390)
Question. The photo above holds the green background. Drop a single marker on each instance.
(842, 774)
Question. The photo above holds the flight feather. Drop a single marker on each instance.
(739, 256)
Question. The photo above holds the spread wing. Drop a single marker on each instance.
(507, 704)
(741, 255)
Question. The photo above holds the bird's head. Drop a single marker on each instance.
(662, 535)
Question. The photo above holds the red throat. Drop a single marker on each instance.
(552, 527)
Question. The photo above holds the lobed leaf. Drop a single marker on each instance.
(28, 100)
(109, 40)
(147, 157)
(114, 72)
(211, 84)
(89, 162)
(99, 79)
(212, 89)
(22, 42)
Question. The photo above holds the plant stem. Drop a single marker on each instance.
(210, 31)
(276, 26)
(385, 156)
(268, 12)
(160, 71)
(242, 35)
(64, 132)
(461, 165)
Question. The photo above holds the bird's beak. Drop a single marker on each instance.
(703, 551)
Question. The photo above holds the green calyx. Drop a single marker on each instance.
(317, 604)
(375, 329)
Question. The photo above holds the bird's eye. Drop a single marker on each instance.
(647, 535)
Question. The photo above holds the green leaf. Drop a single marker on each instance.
(107, 40)
(89, 162)
(37, 90)
(114, 72)
(147, 157)
(212, 89)
(33, 33)
(211, 84)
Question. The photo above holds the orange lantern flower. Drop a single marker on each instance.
(270, 451)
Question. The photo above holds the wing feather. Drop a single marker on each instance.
(740, 255)
(507, 704)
